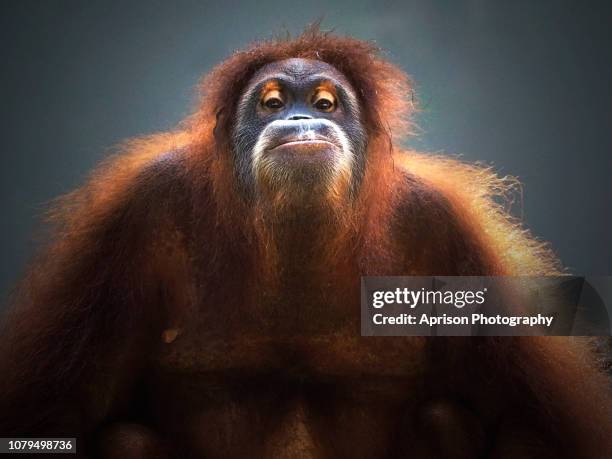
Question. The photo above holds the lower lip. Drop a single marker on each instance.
(305, 143)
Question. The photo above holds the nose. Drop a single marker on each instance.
(299, 116)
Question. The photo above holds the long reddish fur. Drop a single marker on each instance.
(58, 324)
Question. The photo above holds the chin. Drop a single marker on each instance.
(305, 191)
(302, 174)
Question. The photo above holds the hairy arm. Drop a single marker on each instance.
(533, 396)
(79, 331)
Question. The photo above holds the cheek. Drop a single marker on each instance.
(244, 143)
(358, 136)
(246, 129)
(352, 127)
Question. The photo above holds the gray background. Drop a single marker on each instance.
(522, 85)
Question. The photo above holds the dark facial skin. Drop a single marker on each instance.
(298, 126)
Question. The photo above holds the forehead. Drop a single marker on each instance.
(297, 70)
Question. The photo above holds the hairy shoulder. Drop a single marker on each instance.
(130, 202)
(473, 201)
(433, 235)
(130, 184)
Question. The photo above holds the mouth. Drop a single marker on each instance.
(304, 143)
(308, 143)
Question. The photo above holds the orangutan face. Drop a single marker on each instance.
(298, 132)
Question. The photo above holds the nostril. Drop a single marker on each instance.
(300, 117)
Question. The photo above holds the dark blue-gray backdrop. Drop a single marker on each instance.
(523, 85)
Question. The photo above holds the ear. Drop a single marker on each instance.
(220, 131)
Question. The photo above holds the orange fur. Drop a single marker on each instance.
(162, 219)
